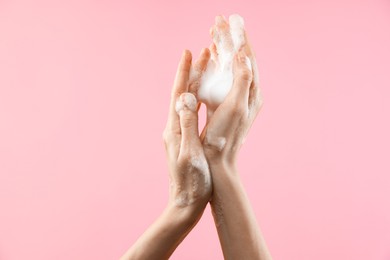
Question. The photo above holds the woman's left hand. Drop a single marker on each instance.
(190, 180)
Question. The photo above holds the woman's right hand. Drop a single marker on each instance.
(229, 124)
(223, 136)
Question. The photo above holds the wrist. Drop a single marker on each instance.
(221, 161)
(187, 215)
(225, 177)
(225, 156)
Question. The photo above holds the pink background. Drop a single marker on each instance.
(84, 92)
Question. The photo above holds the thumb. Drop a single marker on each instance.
(186, 107)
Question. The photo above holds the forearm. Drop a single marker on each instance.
(235, 220)
(161, 239)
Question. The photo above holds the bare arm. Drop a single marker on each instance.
(234, 218)
(162, 238)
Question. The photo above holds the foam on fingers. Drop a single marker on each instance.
(236, 23)
(217, 79)
(186, 101)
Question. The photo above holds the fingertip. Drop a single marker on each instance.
(217, 19)
(190, 101)
(204, 58)
(201, 63)
(185, 65)
(220, 19)
(186, 101)
(213, 51)
(205, 52)
(187, 56)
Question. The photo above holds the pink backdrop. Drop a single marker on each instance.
(84, 92)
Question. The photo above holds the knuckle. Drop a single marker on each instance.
(183, 159)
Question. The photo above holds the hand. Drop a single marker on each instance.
(190, 180)
(228, 126)
(225, 130)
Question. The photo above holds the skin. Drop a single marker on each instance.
(215, 171)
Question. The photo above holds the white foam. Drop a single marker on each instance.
(217, 79)
(190, 101)
(221, 141)
(186, 100)
(182, 199)
(200, 163)
(236, 23)
(200, 177)
(194, 75)
(216, 142)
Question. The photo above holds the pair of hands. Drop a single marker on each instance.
(202, 167)
(192, 156)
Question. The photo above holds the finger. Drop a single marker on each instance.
(248, 48)
(214, 52)
(186, 108)
(250, 53)
(198, 69)
(180, 86)
(255, 101)
(225, 42)
(214, 35)
(236, 24)
(182, 74)
(201, 63)
(242, 79)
